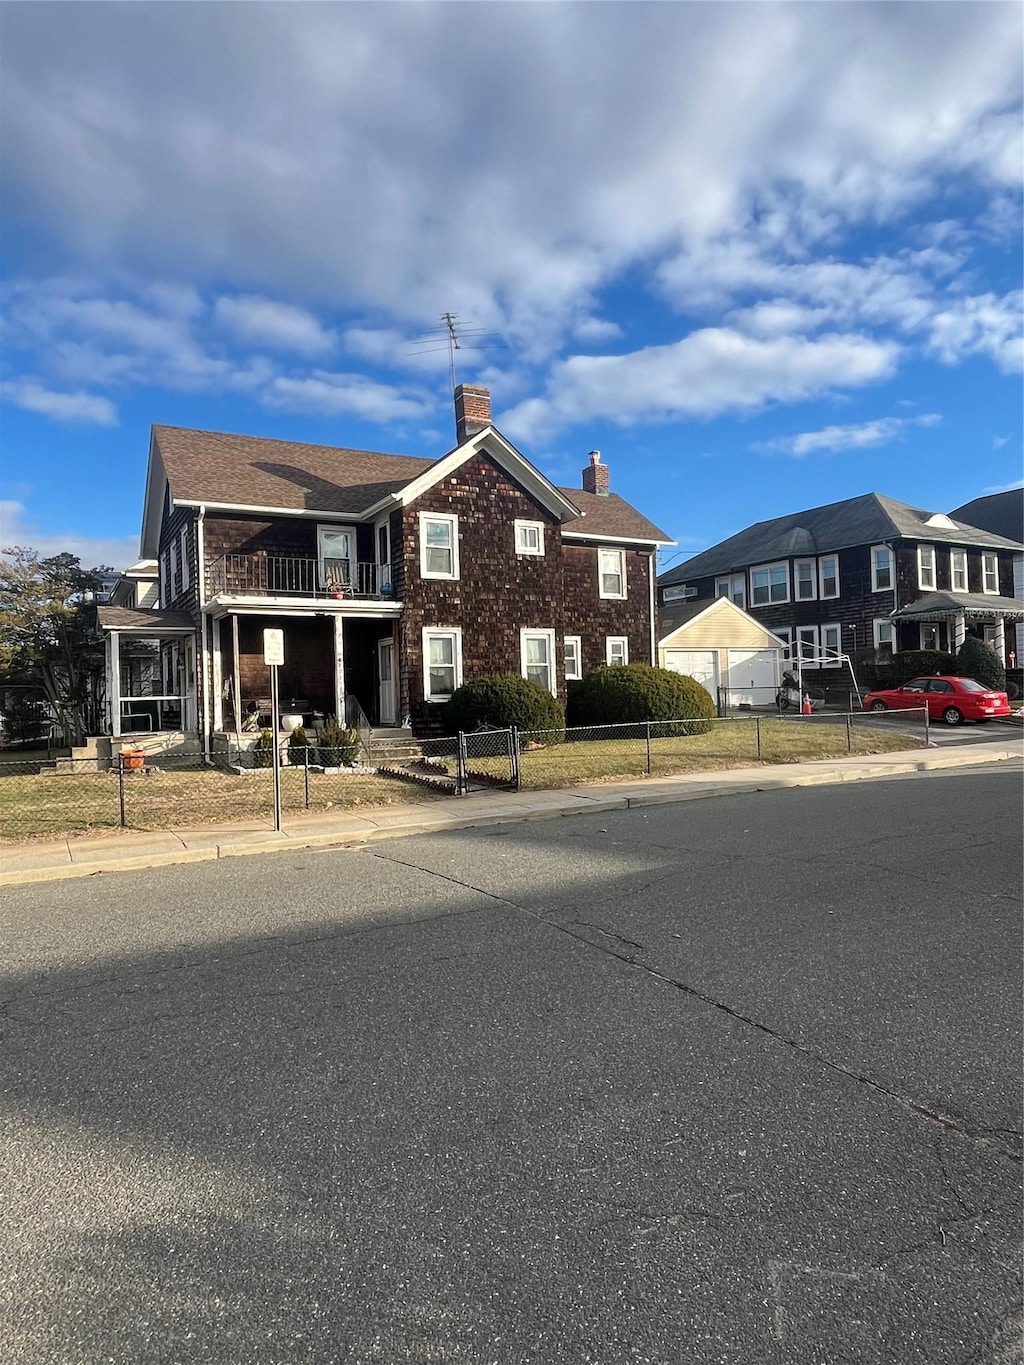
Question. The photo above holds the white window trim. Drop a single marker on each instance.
(578, 642)
(986, 560)
(172, 556)
(815, 644)
(823, 649)
(447, 632)
(610, 640)
(884, 621)
(952, 572)
(874, 569)
(926, 587)
(785, 633)
(613, 596)
(185, 578)
(334, 528)
(827, 596)
(796, 580)
(767, 568)
(453, 522)
(165, 582)
(731, 580)
(527, 633)
(522, 526)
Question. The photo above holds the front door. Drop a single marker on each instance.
(337, 545)
(386, 672)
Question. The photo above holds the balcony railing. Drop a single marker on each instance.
(259, 575)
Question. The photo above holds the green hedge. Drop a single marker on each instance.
(502, 701)
(623, 694)
(916, 663)
(978, 660)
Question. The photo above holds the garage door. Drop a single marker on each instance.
(753, 676)
(701, 664)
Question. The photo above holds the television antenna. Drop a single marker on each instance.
(452, 336)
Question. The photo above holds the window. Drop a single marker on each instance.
(184, 560)
(537, 657)
(616, 649)
(439, 545)
(735, 588)
(679, 592)
(926, 566)
(831, 644)
(165, 585)
(384, 580)
(611, 572)
(929, 637)
(939, 685)
(989, 574)
(442, 662)
(173, 571)
(770, 583)
(881, 568)
(885, 635)
(828, 576)
(804, 572)
(958, 570)
(529, 537)
(807, 644)
(785, 633)
(573, 657)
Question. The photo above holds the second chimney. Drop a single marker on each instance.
(472, 411)
(595, 476)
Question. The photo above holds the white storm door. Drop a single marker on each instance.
(337, 553)
(386, 673)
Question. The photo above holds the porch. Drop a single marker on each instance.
(954, 615)
(261, 574)
(150, 671)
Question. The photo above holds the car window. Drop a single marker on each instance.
(937, 685)
(969, 685)
(915, 685)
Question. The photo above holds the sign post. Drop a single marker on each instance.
(273, 656)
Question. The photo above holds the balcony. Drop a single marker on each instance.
(263, 575)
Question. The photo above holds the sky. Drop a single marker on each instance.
(762, 256)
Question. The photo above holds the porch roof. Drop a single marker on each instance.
(145, 621)
(941, 606)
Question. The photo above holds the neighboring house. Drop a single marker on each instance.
(865, 573)
(394, 578)
(1002, 513)
(724, 648)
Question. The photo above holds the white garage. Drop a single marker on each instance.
(725, 649)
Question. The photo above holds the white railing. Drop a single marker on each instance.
(259, 575)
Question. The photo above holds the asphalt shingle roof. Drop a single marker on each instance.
(142, 618)
(1001, 513)
(940, 603)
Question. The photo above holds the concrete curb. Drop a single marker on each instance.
(539, 806)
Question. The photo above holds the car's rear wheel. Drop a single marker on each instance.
(952, 716)
(879, 706)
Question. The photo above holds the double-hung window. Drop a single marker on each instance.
(611, 573)
(165, 580)
(881, 568)
(926, 567)
(828, 577)
(807, 645)
(785, 634)
(958, 570)
(442, 661)
(439, 545)
(989, 573)
(173, 556)
(537, 657)
(735, 588)
(885, 634)
(573, 658)
(616, 649)
(768, 584)
(831, 645)
(529, 537)
(804, 575)
(184, 560)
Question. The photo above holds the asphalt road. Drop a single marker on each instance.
(733, 1080)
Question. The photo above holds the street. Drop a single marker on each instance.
(735, 1080)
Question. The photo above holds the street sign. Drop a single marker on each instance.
(273, 647)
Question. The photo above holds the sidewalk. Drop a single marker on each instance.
(68, 857)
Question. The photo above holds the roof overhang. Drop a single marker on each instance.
(252, 509)
(614, 540)
(946, 607)
(727, 605)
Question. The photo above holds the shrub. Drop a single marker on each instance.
(336, 746)
(299, 747)
(914, 663)
(1012, 690)
(503, 701)
(978, 660)
(621, 694)
(263, 750)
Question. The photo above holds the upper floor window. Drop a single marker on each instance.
(611, 572)
(926, 566)
(990, 573)
(573, 658)
(768, 584)
(958, 570)
(881, 568)
(529, 537)
(439, 545)
(828, 576)
(173, 574)
(805, 586)
(616, 649)
(165, 579)
(735, 588)
(184, 560)
(678, 592)
(537, 656)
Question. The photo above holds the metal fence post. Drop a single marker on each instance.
(927, 724)
(305, 772)
(849, 734)
(648, 748)
(514, 755)
(757, 726)
(120, 788)
(461, 767)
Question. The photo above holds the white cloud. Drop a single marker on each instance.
(708, 372)
(596, 330)
(328, 395)
(32, 396)
(18, 529)
(856, 436)
(280, 326)
(981, 325)
(999, 441)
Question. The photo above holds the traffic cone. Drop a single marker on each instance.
(807, 704)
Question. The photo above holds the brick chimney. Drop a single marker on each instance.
(595, 476)
(472, 411)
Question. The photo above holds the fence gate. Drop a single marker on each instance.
(488, 760)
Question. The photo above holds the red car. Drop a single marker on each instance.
(951, 700)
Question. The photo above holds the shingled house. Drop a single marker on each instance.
(394, 577)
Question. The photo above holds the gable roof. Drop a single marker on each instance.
(1001, 513)
(865, 520)
(672, 618)
(606, 514)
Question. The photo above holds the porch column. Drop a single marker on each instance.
(339, 669)
(999, 640)
(236, 700)
(218, 678)
(114, 683)
(959, 631)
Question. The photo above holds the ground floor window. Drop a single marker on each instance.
(442, 662)
(931, 637)
(831, 644)
(885, 635)
(616, 649)
(537, 658)
(785, 634)
(807, 644)
(573, 658)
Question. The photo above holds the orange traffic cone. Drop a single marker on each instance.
(807, 704)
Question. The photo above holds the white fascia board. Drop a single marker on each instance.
(613, 540)
(253, 509)
(491, 442)
(298, 606)
(728, 605)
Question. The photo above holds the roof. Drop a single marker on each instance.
(1001, 513)
(141, 619)
(679, 614)
(606, 514)
(934, 604)
(865, 520)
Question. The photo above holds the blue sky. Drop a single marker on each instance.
(762, 256)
